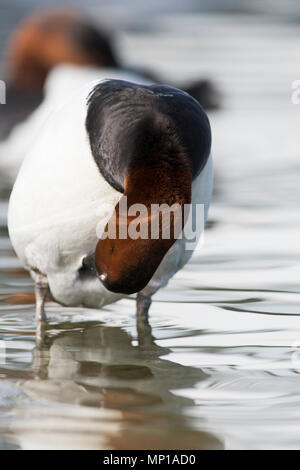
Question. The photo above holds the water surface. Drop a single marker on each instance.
(218, 366)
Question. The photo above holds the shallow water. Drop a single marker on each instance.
(219, 367)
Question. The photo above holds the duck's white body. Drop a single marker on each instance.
(61, 83)
(56, 203)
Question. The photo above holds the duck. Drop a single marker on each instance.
(46, 40)
(113, 147)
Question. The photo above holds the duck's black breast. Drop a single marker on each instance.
(131, 125)
(19, 105)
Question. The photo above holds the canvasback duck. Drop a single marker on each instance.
(42, 42)
(112, 140)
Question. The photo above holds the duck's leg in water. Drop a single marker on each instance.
(144, 330)
(41, 290)
(143, 303)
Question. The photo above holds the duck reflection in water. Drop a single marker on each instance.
(105, 389)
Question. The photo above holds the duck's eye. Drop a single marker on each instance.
(103, 277)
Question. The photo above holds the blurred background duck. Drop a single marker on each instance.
(36, 80)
